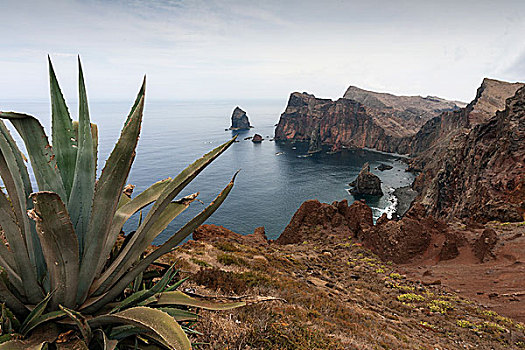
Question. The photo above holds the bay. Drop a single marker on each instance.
(274, 180)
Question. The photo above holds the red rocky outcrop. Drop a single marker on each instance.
(315, 220)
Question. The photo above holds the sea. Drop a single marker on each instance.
(274, 179)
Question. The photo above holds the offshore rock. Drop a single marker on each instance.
(240, 120)
(367, 183)
(315, 145)
(383, 167)
(257, 138)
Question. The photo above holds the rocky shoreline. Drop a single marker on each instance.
(405, 196)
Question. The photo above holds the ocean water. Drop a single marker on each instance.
(274, 179)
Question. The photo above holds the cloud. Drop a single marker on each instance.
(238, 49)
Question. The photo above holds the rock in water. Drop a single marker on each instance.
(367, 183)
(315, 141)
(240, 120)
(383, 167)
(257, 138)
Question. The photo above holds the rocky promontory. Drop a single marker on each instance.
(360, 119)
(366, 183)
(240, 120)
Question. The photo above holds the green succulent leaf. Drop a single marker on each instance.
(23, 239)
(179, 298)
(107, 193)
(62, 132)
(98, 302)
(59, 244)
(41, 154)
(145, 235)
(127, 209)
(104, 342)
(80, 321)
(11, 300)
(153, 320)
(50, 316)
(136, 298)
(180, 315)
(81, 198)
(20, 345)
(35, 313)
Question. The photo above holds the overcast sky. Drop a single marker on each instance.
(260, 49)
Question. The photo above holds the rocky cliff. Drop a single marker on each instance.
(481, 173)
(360, 119)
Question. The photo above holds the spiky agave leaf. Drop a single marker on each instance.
(107, 193)
(60, 246)
(145, 234)
(78, 223)
(96, 303)
(83, 184)
(153, 320)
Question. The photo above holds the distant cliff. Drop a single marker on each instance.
(360, 119)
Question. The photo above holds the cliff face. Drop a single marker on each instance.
(413, 111)
(341, 123)
(481, 173)
(435, 135)
(360, 119)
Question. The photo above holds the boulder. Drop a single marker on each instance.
(367, 183)
(483, 246)
(383, 167)
(240, 120)
(402, 240)
(257, 138)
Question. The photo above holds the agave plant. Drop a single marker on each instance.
(60, 257)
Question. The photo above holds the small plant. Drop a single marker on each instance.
(228, 259)
(410, 297)
(465, 324)
(440, 306)
(201, 263)
(63, 260)
(226, 247)
(395, 276)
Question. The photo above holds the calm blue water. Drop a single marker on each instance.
(274, 179)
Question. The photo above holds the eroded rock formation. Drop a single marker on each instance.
(367, 183)
(314, 220)
(240, 120)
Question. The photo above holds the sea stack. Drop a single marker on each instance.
(240, 120)
(367, 183)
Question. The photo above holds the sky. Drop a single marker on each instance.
(260, 49)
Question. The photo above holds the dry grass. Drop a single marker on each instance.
(340, 296)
